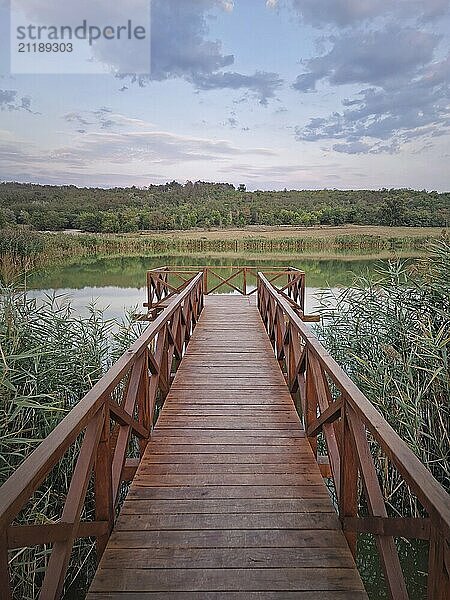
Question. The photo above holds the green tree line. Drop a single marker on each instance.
(206, 205)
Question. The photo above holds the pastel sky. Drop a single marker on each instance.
(291, 93)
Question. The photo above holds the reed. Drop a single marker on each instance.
(49, 359)
(22, 250)
(391, 333)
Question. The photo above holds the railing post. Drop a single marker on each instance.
(205, 281)
(104, 510)
(438, 578)
(348, 496)
(149, 291)
(244, 285)
(310, 401)
(145, 402)
(302, 292)
(5, 583)
(166, 281)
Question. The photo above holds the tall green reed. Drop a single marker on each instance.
(391, 333)
(49, 358)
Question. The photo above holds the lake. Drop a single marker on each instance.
(119, 283)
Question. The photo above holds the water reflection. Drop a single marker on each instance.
(129, 272)
(114, 300)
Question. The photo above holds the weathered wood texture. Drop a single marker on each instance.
(228, 501)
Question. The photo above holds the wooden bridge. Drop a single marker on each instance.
(227, 496)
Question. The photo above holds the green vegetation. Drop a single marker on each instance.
(22, 250)
(175, 206)
(391, 334)
(50, 359)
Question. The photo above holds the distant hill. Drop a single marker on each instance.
(201, 204)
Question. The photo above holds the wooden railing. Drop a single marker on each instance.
(166, 282)
(332, 404)
(121, 406)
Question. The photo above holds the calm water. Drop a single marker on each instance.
(119, 283)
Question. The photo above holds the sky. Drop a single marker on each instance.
(297, 94)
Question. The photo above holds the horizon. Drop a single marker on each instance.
(152, 184)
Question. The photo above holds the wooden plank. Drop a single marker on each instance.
(176, 445)
(213, 410)
(228, 500)
(148, 479)
(242, 458)
(221, 558)
(274, 420)
(230, 492)
(163, 521)
(297, 595)
(21, 536)
(223, 468)
(255, 579)
(232, 538)
(225, 398)
(275, 436)
(253, 424)
(406, 527)
(226, 506)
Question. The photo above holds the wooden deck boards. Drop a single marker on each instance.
(228, 501)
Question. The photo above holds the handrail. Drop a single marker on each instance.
(165, 282)
(148, 366)
(344, 423)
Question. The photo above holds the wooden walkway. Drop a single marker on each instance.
(228, 501)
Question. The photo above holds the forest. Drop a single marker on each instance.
(207, 205)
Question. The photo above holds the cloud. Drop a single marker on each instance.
(76, 117)
(352, 148)
(10, 100)
(382, 119)
(373, 57)
(180, 44)
(180, 47)
(276, 176)
(262, 84)
(345, 13)
(137, 150)
(405, 96)
(231, 121)
(156, 147)
(102, 118)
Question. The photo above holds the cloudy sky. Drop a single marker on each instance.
(273, 94)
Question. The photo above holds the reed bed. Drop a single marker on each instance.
(49, 359)
(391, 333)
(22, 250)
